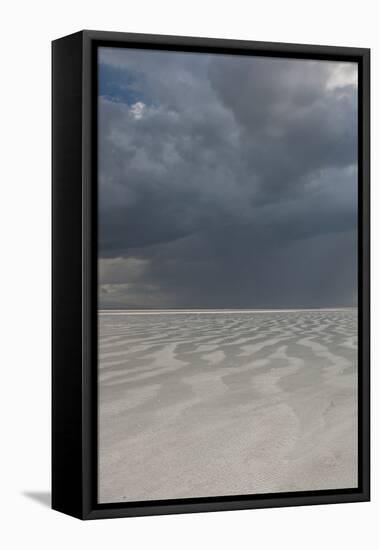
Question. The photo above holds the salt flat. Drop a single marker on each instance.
(196, 404)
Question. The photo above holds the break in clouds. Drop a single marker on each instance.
(226, 181)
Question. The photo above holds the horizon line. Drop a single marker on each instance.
(219, 310)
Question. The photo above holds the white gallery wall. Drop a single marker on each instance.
(25, 123)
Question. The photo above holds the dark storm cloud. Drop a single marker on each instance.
(292, 124)
(226, 181)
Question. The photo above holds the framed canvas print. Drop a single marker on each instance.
(210, 275)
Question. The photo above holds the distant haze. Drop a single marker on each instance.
(226, 181)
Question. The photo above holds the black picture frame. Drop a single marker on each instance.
(74, 295)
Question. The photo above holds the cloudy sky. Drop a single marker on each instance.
(226, 181)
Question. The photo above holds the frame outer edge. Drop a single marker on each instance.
(67, 383)
(365, 280)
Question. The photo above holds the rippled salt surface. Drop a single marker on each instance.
(198, 404)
